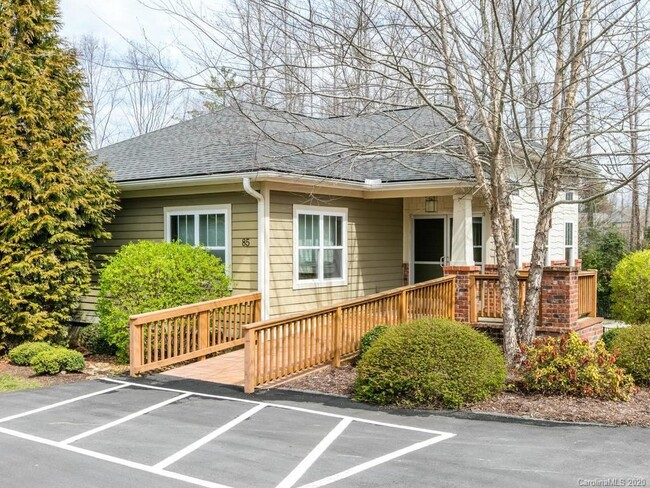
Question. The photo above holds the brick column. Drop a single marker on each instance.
(462, 288)
(559, 299)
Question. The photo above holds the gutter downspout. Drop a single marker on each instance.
(262, 247)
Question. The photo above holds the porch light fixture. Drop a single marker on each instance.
(431, 204)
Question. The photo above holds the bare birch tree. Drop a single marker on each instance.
(101, 89)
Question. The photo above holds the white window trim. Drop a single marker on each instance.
(483, 238)
(299, 284)
(516, 236)
(202, 210)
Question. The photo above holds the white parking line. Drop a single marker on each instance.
(144, 411)
(311, 458)
(113, 459)
(159, 469)
(376, 462)
(64, 402)
(204, 440)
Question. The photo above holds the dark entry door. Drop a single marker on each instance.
(429, 248)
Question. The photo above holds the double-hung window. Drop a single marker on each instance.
(207, 227)
(515, 235)
(320, 246)
(568, 243)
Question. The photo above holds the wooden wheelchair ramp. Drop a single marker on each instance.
(227, 369)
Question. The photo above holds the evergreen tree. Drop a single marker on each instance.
(55, 199)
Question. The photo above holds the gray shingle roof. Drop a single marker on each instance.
(394, 146)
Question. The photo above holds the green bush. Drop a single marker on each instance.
(94, 338)
(148, 276)
(430, 362)
(56, 360)
(22, 355)
(631, 288)
(370, 337)
(603, 251)
(569, 366)
(633, 346)
(608, 338)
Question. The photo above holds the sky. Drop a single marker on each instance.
(113, 20)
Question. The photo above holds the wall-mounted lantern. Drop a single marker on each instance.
(431, 204)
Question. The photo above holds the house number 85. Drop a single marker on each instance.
(246, 242)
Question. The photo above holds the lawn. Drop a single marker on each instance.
(15, 383)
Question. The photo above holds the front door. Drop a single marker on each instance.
(428, 248)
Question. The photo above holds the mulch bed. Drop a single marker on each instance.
(570, 409)
(96, 366)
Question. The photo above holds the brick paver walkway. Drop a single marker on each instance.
(227, 369)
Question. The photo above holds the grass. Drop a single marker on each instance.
(14, 383)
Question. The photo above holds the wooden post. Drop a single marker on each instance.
(135, 348)
(258, 310)
(204, 332)
(338, 337)
(249, 361)
(452, 305)
(472, 299)
(403, 307)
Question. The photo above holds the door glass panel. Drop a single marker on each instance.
(426, 272)
(429, 239)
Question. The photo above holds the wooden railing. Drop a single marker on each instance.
(587, 293)
(485, 296)
(280, 347)
(167, 337)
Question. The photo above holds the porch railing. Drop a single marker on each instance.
(588, 293)
(280, 347)
(485, 295)
(174, 335)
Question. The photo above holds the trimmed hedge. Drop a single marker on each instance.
(56, 360)
(631, 288)
(633, 347)
(148, 276)
(370, 337)
(569, 366)
(22, 355)
(430, 362)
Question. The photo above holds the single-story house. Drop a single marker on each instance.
(296, 212)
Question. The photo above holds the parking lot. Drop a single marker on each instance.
(210, 440)
(171, 433)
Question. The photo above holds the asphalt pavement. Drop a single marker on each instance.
(167, 432)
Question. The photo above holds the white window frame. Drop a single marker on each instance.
(320, 282)
(516, 237)
(568, 196)
(196, 210)
(571, 246)
(483, 239)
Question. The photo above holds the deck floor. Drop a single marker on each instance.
(227, 369)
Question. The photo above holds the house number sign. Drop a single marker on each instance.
(246, 242)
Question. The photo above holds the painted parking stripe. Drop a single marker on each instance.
(204, 440)
(376, 462)
(113, 459)
(284, 407)
(311, 458)
(64, 402)
(144, 411)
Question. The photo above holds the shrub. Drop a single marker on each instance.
(633, 346)
(631, 288)
(94, 338)
(603, 251)
(370, 337)
(22, 355)
(430, 361)
(57, 359)
(608, 338)
(148, 276)
(569, 366)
